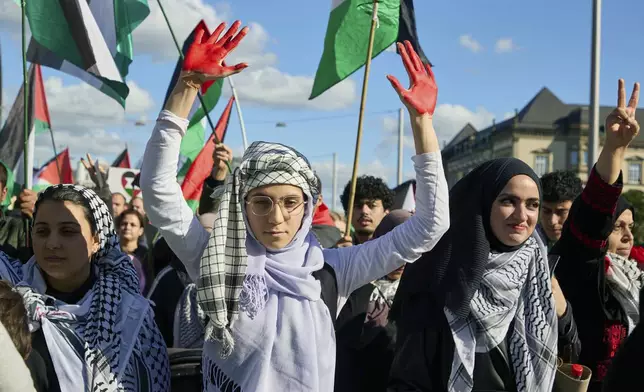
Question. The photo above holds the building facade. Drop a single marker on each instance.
(547, 134)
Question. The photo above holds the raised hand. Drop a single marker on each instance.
(90, 166)
(221, 156)
(420, 98)
(621, 125)
(205, 57)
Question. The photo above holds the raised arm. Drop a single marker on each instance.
(590, 221)
(166, 207)
(358, 265)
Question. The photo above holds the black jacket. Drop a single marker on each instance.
(601, 321)
(424, 354)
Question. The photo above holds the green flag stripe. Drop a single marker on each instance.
(210, 99)
(347, 40)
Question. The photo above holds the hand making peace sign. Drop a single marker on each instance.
(621, 125)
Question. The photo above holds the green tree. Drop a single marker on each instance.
(636, 198)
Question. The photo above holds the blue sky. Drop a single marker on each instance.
(490, 58)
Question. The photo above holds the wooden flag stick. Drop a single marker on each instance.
(28, 171)
(363, 102)
(25, 87)
(203, 103)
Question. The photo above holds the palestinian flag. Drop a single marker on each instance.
(193, 141)
(201, 168)
(88, 39)
(123, 160)
(48, 174)
(347, 37)
(12, 135)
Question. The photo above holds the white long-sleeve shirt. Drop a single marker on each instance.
(354, 266)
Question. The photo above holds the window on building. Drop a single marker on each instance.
(574, 157)
(634, 173)
(541, 165)
(585, 161)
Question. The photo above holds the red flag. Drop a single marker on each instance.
(48, 173)
(202, 166)
(123, 160)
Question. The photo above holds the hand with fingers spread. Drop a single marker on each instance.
(220, 156)
(420, 98)
(205, 57)
(621, 125)
(90, 166)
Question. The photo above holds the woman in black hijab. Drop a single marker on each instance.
(477, 312)
(485, 287)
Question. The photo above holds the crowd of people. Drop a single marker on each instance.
(489, 286)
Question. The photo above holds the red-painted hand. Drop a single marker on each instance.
(421, 96)
(205, 57)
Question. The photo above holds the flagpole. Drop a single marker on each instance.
(25, 86)
(593, 129)
(363, 102)
(239, 113)
(401, 137)
(53, 144)
(201, 101)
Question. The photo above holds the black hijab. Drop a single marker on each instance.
(452, 271)
(622, 205)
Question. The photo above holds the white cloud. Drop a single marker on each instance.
(80, 114)
(505, 45)
(78, 107)
(269, 86)
(448, 121)
(467, 41)
(97, 142)
(508, 115)
(262, 83)
(10, 16)
(153, 36)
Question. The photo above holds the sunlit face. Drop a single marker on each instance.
(275, 227)
(515, 211)
(620, 240)
(63, 243)
(553, 216)
(367, 215)
(118, 204)
(130, 228)
(137, 204)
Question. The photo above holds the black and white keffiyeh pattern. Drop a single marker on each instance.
(515, 288)
(625, 280)
(224, 261)
(111, 344)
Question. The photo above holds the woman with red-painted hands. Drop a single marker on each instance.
(482, 311)
(270, 291)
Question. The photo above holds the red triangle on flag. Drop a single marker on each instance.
(202, 166)
(49, 171)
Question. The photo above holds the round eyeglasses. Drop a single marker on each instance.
(263, 205)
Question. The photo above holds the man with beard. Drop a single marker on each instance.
(372, 203)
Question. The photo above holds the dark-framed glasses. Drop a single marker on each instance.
(263, 205)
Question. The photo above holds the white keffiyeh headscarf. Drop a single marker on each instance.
(224, 283)
(108, 340)
(625, 280)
